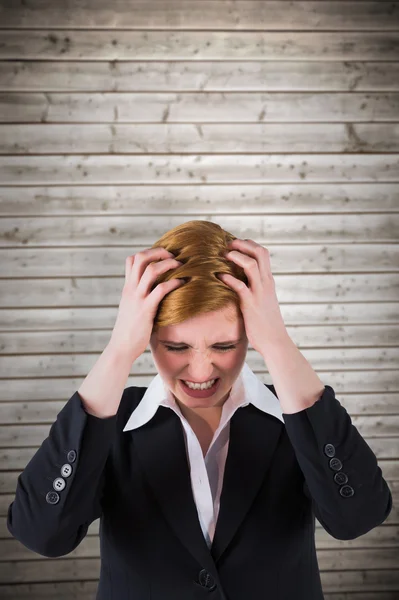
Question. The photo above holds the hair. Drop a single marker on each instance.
(200, 246)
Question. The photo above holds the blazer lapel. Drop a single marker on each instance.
(253, 440)
(161, 450)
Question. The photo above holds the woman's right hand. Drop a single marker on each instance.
(137, 307)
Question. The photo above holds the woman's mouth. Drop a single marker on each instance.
(200, 393)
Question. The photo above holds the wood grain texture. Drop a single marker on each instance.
(184, 75)
(211, 45)
(278, 120)
(206, 14)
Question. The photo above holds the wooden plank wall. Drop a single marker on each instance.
(277, 120)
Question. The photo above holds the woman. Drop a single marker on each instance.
(201, 493)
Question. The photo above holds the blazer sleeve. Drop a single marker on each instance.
(342, 478)
(79, 444)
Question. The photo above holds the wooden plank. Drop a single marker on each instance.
(199, 169)
(300, 316)
(70, 569)
(202, 45)
(86, 590)
(291, 228)
(16, 458)
(204, 14)
(160, 107)
(384, 536)
(47, 388)
(8, 479)
(385, 448)
(266, 198)
(93, 291)
(322, 535)
(362, 596)
(65, 590)
(80, 361)
(179, 138)
(185, 75)
(285, 258)
(25, 435)
(367, 580)
(350, 558)
(17, 107)
(37, 411)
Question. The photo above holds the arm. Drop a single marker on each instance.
(321, 431)
(54, 527)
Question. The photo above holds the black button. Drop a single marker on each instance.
(340, 478)
(206, 580)
(52, 497)
(335, 464)
(71, 456)
(329, 450)
(346, 491)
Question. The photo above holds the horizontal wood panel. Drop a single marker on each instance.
(8, 479)
(16, 458)
(86, 590)
(69, 569)
(79, 363)
(158, 76)
(206, 14)
(285, 258)
(18, 436)
(201, 45)
(31, 411)
(114, 230)
(300, 316)
(384, 536)
(198, 169)
(265, 198)
(199, 107)
(179, 138)
(243, 199)
(92, 291)
(323, 538)
(48, 388)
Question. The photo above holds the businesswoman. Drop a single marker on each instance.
(207, 482)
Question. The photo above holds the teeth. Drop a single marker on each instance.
(200, 386)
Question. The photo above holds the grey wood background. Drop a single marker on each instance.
(118, 121)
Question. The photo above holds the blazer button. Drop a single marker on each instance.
(346, 491)
(52, 497)
(66, 470)
(335, 464)
(329, 450)
(206, 580)
(71, 456)
(59, 484)
(340, 478)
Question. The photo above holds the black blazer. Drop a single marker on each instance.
(277, 479)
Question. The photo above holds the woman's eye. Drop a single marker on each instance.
(220, 348)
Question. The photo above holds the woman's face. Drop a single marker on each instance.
(201, 357)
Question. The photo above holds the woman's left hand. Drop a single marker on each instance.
(259, 305)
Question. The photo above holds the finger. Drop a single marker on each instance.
(251, 267)
(128, 266)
